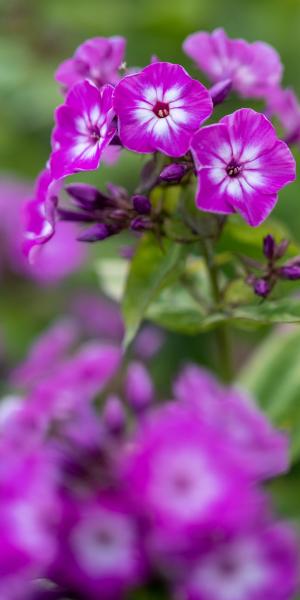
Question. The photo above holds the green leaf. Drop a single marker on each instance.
(272, 375)
(112, 273)
(239, 238)
(151, 269)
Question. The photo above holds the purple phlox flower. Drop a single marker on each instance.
(241, 166)
(60, 256)
(285, 105)
(261, 450)
(46, 353)
(39, 214)
(100, 550)
(111, 154)
(251, 565)
(187, 475)
(98, 316)
(160, 108)
(83, 129)
(139, 388)
(29, 513)
(12, 194)
(254, 68)
(97, 59)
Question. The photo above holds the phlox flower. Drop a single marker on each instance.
(241, 166)
(97, 59)
(285, 105)
(186, 474)
(252, 565)
(261, 449)
(100, 551)
(254, 68)
(83, 129)
(160, 108)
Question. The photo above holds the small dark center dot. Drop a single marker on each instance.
(161, 109)
(233, 170)
(94, 133)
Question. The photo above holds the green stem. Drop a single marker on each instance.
(222, 332)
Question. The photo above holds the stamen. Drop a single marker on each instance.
(233, 170)
(161, 109)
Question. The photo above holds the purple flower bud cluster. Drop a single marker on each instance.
(105, 214)
(160, 110)
(122, 490)
(271, 273)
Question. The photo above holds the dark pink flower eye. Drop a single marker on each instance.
(161, 109)
(233, 170)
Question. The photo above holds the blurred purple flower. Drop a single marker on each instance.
(254, 68)
(97, 59)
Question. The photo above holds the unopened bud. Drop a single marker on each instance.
(139, 387)
(140, 224)
(113, 415)
(95, 233)
(173, 173)
(290, 271)
(261, 287)
(87, 196)
(269, 246)
(281, 249)
(220, 91)
(141, 204)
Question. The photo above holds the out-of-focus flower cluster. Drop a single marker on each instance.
(105, 490)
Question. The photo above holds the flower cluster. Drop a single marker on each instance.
(239, 162)
(92, 440)
(267, 275)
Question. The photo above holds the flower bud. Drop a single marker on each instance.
(141, 204)
(86, 196)
(173, 173)
(95, 233)
(290, 271)
(140, 224)
(281, 249)
(261, 287)
(113, 415)
(220, 91)
(269, 246)
(139, 387)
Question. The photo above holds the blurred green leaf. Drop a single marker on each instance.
(272, 375)
(150, 270)
(239, 238)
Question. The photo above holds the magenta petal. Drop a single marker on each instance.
(254, 205)
(209, 195)
(275, 168)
